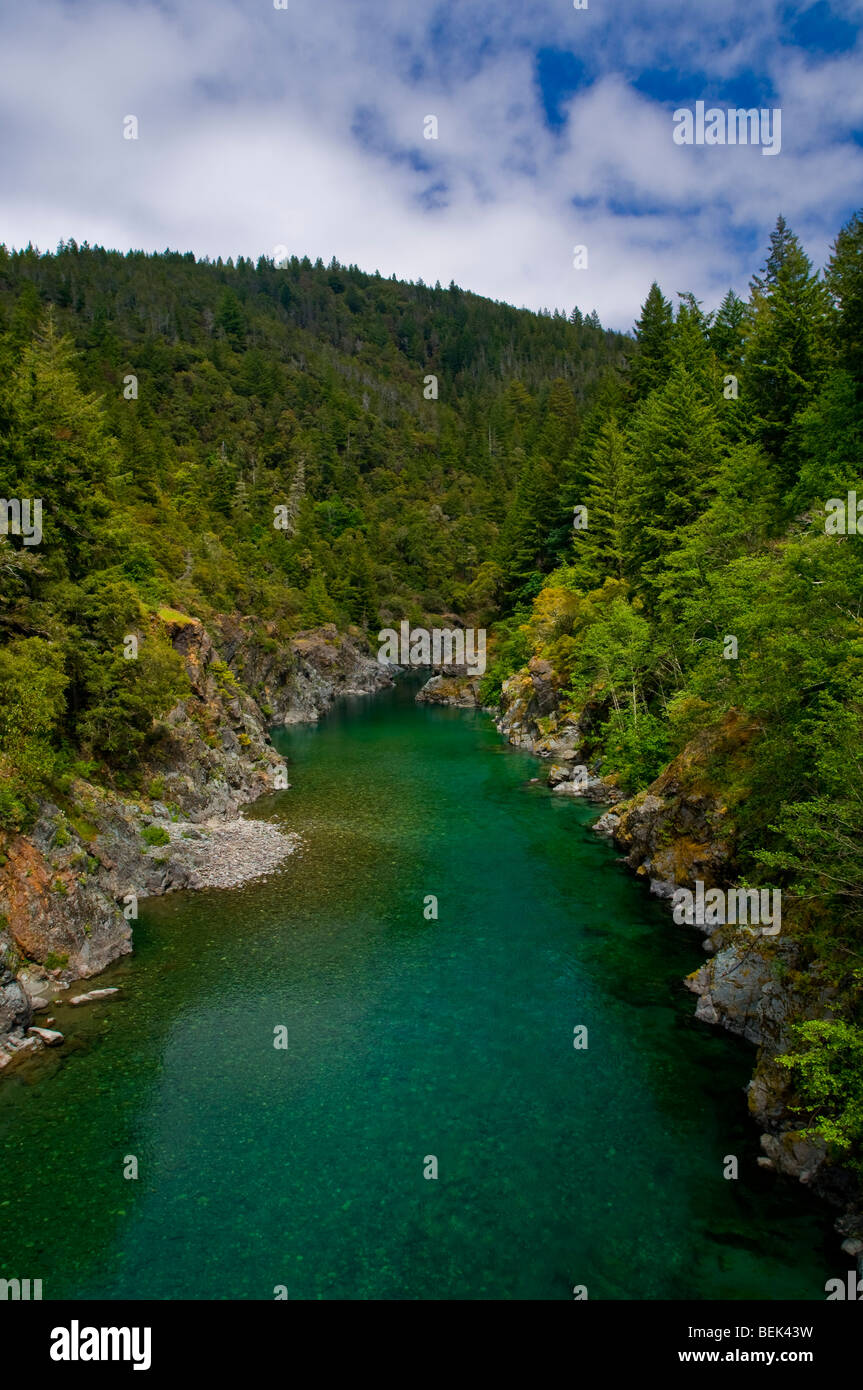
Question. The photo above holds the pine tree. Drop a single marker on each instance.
(782, 362)
(690, 343)
(59, 449)
(653, 337)
(675, 447)
(223, 482)
(844, 280)
(726, 333)
(231, 320)
(525, 536)
(600, 551)
(318, 607)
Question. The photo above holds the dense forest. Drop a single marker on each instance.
(307, 444)
(715, 578)
(299, 443)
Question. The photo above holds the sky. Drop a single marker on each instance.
(303, 128)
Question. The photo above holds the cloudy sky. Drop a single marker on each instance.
(304, 128)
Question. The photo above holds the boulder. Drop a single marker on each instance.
(48, 1036)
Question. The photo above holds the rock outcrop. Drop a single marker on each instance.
(69, 886)
(297, 681)
(681, 830)
(455, 688)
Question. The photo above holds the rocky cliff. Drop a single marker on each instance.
(69, 887)
(681, 830)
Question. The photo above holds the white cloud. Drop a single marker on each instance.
(247, 140)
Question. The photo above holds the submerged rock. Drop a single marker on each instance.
(48, 1036)
(94, 994)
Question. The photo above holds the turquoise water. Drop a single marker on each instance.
(407, 1039)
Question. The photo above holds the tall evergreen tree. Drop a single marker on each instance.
(727, 332)
(600, 551)
(782, 360)
(231, 320)
(653, 337)
(525, 537)
(844, 281)
(676, 451)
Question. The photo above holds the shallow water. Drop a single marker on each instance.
(407, 1039)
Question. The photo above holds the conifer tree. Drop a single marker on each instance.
(690, 343)
(653, 337)
(599, 551)
(675, 451)
(59, 449)
(782, 362)
(525, 536)
(844, 281)
(726, 332)
(231, 320)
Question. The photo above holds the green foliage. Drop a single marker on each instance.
(786, 318)
(653, 336)
(511, 650)
(602, 547)
(636, 747)
(263, 392)
(675, 447)
(155, 835)
(615, 653)
(706, 613)
(822, 837)
(827, 1068)
(32, 686)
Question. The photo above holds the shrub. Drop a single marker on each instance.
(636, 747)
(828, 1074)
(155, 835)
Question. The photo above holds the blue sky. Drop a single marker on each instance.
(304, 128)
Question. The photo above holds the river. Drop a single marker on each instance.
(408, 1040)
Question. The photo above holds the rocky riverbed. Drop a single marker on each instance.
(223, 854)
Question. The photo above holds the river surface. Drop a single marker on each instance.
(408, 1040)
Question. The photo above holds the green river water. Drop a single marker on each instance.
(408, 1038)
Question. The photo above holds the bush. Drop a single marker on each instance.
(155, 835)
(637, 747)
(15, 814)
(828, 1074)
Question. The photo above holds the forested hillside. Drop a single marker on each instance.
(296, 444)
(709, 607)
